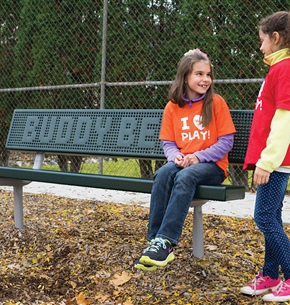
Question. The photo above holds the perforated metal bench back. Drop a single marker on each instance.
(129, 133)
(123, 133)
(242, 120)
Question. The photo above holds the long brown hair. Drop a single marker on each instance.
(178, 87)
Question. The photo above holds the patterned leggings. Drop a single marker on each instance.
(268, 217)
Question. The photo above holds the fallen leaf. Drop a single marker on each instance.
(210, 247)
(119, 280)
(81, 299)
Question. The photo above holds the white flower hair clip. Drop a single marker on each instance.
(195, 51)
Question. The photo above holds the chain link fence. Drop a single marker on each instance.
(122, 54)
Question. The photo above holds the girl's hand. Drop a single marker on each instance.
(261, 176)
(178, 160)
(186, 161)
(190, 159)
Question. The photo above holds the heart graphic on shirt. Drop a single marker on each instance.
(197, 121)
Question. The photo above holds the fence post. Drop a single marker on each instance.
(103, 72)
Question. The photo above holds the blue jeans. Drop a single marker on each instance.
(268, 217)
(172, 192)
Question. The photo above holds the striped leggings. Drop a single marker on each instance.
(268, 217)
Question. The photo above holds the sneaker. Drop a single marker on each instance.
(282, 294)
(140, 266)
(261, 284)
(159, 253)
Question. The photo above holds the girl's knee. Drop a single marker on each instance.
(260, 222)
(186, 177)
(264, 224)
(165, 172)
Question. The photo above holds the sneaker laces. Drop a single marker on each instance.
(151, 241)
(257, 280)
(282, 287)
(156, 244)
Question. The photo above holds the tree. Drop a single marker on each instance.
(58, 41)
(9, 19)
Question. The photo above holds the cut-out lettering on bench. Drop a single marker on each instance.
(92, 130)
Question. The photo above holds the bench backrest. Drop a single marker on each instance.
(114, 132)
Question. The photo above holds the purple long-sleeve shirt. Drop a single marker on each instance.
(211, 154)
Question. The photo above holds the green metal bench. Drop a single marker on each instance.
(106, 133)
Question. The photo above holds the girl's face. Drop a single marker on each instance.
(199, 80)
(269, 45)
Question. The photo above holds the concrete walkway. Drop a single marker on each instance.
(237, 208)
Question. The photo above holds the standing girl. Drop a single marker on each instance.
(197, 133)
(269, 154)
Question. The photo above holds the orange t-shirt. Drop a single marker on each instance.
(183, 126)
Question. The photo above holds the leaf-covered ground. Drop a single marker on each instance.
(79, 252)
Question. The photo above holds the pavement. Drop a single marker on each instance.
(236, 208)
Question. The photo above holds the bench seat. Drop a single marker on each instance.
(139, 185)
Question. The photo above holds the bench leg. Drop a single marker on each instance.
(18, 207)
(197, 232)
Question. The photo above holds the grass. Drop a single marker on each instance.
(115, 167)
(120, 167)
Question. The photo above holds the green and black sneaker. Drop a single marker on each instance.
(159, 253)
(142, 267)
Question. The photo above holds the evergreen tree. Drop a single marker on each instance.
(58, 41)
(9, 20)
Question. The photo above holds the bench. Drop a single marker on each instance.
(106, 133)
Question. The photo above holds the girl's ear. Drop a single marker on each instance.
(277, 38)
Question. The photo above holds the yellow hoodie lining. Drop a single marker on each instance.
(277, 56)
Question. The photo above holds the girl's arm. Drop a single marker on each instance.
(171, 150)
(277, 143)
(211, 154)
(218, 150)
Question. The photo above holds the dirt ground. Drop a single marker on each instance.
(79, 252)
